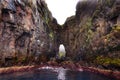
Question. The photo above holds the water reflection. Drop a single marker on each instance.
(61, 74)
(50, 73)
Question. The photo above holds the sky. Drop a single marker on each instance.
(62, 9)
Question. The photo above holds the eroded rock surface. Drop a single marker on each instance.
(30, 35)
(92, 35)
(25, 32)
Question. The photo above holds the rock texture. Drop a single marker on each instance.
(30, 35)
(26, 33)
(93, 34)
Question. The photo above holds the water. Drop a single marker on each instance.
(54, 74)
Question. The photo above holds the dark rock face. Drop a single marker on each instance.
(93, 32)
(24, 30)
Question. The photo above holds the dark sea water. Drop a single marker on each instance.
(54, 74)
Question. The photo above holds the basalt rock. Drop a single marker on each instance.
(26, 32)
(93, 33)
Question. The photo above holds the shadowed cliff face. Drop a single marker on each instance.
(93, 33)
(25, 31)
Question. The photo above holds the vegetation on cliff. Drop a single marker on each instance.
(94, 32)
(30, 35)
(26, 36)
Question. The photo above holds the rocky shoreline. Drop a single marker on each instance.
(108, 73)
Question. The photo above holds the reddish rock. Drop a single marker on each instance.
(24, 29)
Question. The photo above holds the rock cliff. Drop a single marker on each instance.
(93, 34)
(26, 33)
(30, 35)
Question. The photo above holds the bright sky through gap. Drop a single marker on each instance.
(61, 9)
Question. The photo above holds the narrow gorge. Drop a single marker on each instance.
(30, 35)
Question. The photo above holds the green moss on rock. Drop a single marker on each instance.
(107, 61)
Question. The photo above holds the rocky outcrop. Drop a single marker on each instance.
(92, 35)
(30, 35)
(26, 32)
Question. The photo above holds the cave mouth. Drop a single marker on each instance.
(61, 10)
(62, 52)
